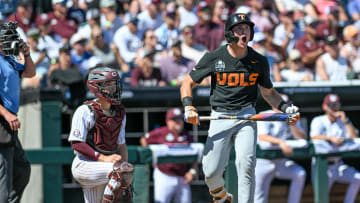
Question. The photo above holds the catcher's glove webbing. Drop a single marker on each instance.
(122, 174)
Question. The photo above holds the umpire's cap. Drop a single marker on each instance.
(233, 20)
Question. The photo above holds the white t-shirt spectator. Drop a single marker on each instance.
(127, 43)
(187, 17)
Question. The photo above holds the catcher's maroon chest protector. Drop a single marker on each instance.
(104, 135)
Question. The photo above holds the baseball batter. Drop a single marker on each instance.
(98, 137)
(267, 169)
(236, 71)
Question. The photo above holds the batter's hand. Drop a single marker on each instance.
(292, 109)
(191, 116)
(110, 158)
(293, 114)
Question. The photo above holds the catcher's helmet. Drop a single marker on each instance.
(233, 20)
(96, 83)
(10, 39)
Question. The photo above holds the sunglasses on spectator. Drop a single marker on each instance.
(297, 61)
(188, 32)
(334, 105)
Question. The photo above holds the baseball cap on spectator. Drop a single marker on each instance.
(62, 2)
(77, 38)
(350, 31)
(176, 43)
(65, 49)
(203, 6)
(174, 114)
(332, 101)
(331, 40)
(288, 13)
(92, 13)
(134, 21)
(148, 2)
(294, 55)
(107, 3)
(171, 13)
(34, 33)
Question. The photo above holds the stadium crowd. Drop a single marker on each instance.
(156, 42)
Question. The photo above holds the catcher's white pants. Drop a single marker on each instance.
(266, 170)
(223, 134)
(92, 176)
(342, 173)
(166, 187)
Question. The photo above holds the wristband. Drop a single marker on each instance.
(187, 101)
(282, 106)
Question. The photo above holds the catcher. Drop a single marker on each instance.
(98, 138)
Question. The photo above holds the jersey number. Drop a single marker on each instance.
(236, 79)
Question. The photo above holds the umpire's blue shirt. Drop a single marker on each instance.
(10, 83)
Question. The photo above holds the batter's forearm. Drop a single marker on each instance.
(186, 87)
(271, 96)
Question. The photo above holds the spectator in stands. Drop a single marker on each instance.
(41, 61)
(276, 134)
(109, 54)
(353, 9)
(174, 67)
(296, 71)
(187, 14)
(48, 41)
(264, 19)
(109, 20)
(167, 33)
(92, 20)
(60, 22)
(334, 127)
(351, 50)
(76, 11)
(65, 75)
(79, 56)
(189, 49)
(145, 74)
(309, 47)
(330, 65)
(151, 18)
(23, 15)
(219, 13)
(172, 180)
(127, 40)
(286, 33)
(284, 6)
(332, 24)
(206, 32)
(7, 8)
(149, 44)
(134, 9)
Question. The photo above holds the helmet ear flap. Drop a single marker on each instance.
(230, 37)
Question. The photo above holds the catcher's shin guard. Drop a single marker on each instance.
(221, 196)
(120, 180)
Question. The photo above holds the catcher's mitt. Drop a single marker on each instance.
(123, 173)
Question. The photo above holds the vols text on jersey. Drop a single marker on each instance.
(236, 79)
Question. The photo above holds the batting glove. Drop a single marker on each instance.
(291, 109)
(191, 116)
(293, 118)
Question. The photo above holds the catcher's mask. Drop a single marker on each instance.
(105, 83)
(10, 39)
(233, 20)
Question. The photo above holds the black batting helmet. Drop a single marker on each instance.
(233, 20)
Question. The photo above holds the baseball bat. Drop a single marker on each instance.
(253, 117)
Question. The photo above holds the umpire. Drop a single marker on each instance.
(14, 168)
(236, 71)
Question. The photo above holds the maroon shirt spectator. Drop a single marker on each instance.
(169, 137)
(309, 47)
(59, 22)
(175, 67)
(206, 32)
(145, 74)
(23, 15)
